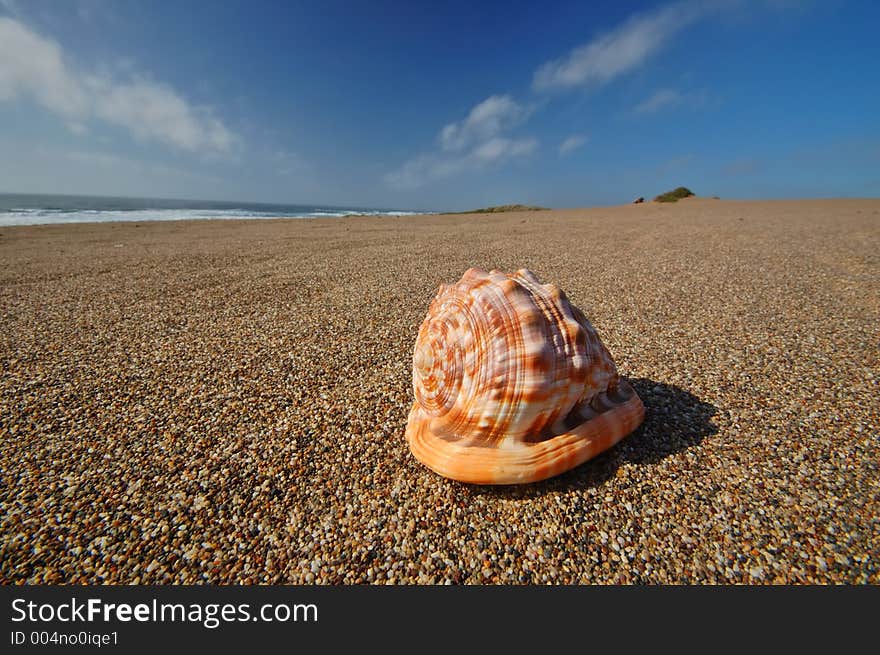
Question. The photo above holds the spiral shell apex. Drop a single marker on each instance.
(512, 383)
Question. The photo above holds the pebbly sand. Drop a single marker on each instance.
(225, 401)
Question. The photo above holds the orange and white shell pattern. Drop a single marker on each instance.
(512, 383)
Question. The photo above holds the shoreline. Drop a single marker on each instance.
(474, 213)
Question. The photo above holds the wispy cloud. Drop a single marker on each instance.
(497, 150)
(472, 144)
(572, 143)
(151, 110)
(668, 98)
(35, 67)
(487, 119)
(661, 99)
(434, 166)
(620, 50)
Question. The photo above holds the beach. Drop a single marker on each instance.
(225, 401)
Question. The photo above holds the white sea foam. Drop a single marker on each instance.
(45, 216)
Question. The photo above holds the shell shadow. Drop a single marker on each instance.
(675, 420)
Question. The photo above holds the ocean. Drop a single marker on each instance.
(33, 209)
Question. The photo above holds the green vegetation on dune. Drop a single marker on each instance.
(674, 195)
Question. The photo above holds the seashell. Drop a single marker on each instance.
(512, 383)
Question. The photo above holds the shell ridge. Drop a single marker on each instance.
(515, 365)
(557, 316)
(494, 300)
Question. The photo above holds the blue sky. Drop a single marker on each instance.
(447, 105)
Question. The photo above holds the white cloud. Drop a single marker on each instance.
(154, 111)
(489, 118)
(425, 168)
(668, 98)
(470, 145)
(572, 143)
(499, 149)
(34, 66)
(661, 99)
(415, 172)
(621, 50)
